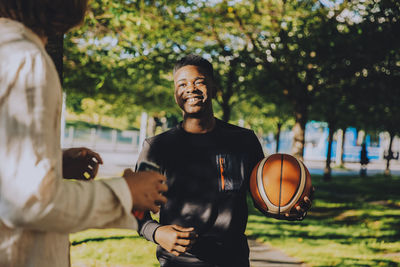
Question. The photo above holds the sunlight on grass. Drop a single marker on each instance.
(111, 247)
(353, 222)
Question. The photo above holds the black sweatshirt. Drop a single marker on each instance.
(208, 178)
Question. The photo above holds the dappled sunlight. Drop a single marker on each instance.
(342, 228)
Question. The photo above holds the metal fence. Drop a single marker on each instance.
(101, 139)
(112, 140)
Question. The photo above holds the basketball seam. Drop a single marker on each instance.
(298, 188)
(301, 186)
(260, 187)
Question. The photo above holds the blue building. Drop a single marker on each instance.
(316, 143)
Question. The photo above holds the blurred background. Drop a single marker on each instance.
(316, 79)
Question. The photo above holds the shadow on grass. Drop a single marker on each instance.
(358, 214)
(101, 239)
(359, 263)
(274, 262)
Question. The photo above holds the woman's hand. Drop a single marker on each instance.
(80, 163)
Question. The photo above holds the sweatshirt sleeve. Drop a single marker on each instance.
(258, 150)
(32, 193)
(146, 225)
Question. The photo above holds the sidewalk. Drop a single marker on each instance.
(116, 162)
(353, 168)
(262, 255)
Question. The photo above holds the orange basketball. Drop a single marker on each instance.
(279, 183)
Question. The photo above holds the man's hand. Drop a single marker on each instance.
(146, 189)
(175, 239)
(301, 210)
(80, 163)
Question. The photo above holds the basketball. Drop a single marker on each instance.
(279, 183)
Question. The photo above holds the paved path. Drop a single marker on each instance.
(114, 163)
(262, 255)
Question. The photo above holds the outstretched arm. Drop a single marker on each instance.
(33, 194)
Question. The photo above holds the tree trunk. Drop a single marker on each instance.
(226, 111)
(299, 129)
(339, 147)
(342, 152)
(55, 49)
(278, 136)
(389, 155)
(328, 170)
(229, 91)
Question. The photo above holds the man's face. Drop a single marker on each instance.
(193, 90)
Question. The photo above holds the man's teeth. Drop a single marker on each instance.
(192, 100)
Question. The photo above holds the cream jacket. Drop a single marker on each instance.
(38, 209)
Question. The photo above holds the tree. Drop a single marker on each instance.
(378, 81)
(335, 76)
(284, 38)
(123, 50)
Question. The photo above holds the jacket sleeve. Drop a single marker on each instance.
(32, 193)
(257, 151)
(257, 154)
(146, 225)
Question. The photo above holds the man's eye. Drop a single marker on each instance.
(181, 85)
(199, 83)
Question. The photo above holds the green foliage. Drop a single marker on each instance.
(118, 53)
(378, 79)
(304, 59)
(101, 113)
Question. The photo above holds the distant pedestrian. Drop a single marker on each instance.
(364, 160)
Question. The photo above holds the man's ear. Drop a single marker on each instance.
(176, 100)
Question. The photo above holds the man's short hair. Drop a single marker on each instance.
(45, 17)
(203, 64)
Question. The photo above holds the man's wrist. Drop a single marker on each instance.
(149, 229)
(154, 234)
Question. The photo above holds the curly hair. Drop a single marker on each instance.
(45, 17)
(195, 60)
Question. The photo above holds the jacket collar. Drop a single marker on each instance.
(11, 30)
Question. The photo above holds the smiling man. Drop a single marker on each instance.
(207, 163)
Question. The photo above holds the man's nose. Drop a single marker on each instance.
(190, 87)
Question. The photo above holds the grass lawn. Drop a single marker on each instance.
(111, 247)
(353, 222)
